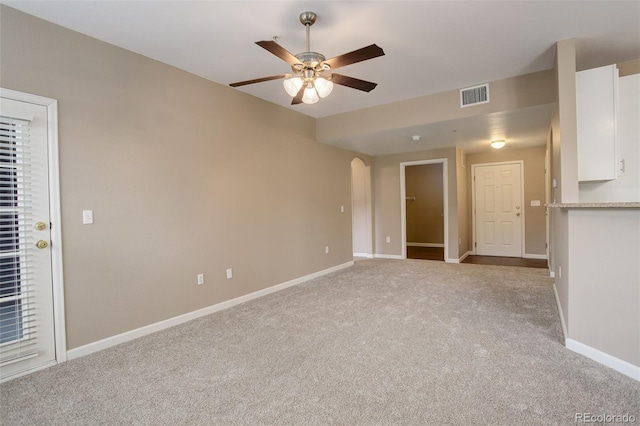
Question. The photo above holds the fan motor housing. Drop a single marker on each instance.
(311, 59)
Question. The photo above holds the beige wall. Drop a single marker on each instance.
(563, 121)
(508, 94)
(566, 132)
(185, 176)
(386, 175)
(425, 214)
(604, 290)
(464, 203)
(533, 174)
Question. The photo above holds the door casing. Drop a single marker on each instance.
(54, 217)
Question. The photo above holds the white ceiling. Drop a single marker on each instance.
(430, 46)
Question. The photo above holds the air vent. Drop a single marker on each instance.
(475, 95)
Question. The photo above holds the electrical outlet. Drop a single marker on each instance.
(200, 279)
(341, 209)
(229, 273)
(388, 239)
(326, 249)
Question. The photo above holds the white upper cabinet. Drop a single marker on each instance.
(597, 109)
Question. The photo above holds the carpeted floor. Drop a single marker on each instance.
(384, 342)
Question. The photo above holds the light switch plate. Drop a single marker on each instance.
(535, 203)
(87, 217)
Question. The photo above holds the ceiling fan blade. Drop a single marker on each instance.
(369, 52)
(298, 97)
(354, 83)
(258, 80)
(279, 51)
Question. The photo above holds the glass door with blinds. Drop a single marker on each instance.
(27, 338)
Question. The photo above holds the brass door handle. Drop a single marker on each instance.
(518, 214)
(40, 226)
(42, 244)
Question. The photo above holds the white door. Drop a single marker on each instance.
(27, 338)
(499, 212)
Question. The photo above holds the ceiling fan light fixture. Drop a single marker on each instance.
(323, 86)
(497, 144)
(310, 95)
(292, 85)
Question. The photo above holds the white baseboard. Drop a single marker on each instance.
(534, 256)
(425, 244)
(158, 326)
(388, 256)
(464, 256)
(562, 322)
(603, 358)
(367, 255)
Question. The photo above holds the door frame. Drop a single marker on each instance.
(56, 221)
(403, 202)
(473, 202)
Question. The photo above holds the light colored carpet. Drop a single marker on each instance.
(384, 342)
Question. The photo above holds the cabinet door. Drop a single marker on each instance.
(596, 110)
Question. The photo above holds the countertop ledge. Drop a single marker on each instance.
(627, 205)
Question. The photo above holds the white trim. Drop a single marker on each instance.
(55, 218)
(464, 256)
(158, 326)
(388, 256)
(403, 201)
(562, 322)
(425, 244)
(473, 200)
(28, 371)
(367, 255)
(603, 358)
(535, 256)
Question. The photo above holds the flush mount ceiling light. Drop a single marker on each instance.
(415, 137)
(312, 76)
(497, 144)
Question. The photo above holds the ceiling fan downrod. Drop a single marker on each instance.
(308, 19)
(310, 61)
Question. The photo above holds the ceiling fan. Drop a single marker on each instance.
(313, 77)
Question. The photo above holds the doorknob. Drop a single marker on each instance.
(40, 226)
(518, 214)
(41, 244)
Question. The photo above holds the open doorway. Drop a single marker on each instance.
(424, 209)
(361, 206)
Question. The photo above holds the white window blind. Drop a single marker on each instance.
(18, 322)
